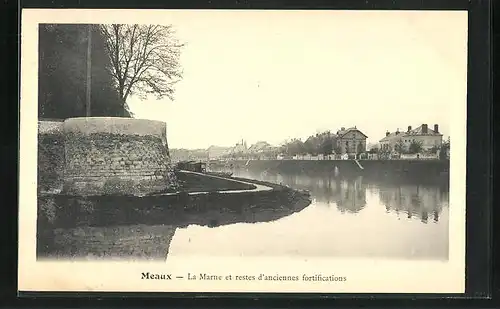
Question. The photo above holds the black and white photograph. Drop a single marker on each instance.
(243, 150)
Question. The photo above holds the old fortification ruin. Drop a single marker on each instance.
(104, 155)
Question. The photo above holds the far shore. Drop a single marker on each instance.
(370, 168)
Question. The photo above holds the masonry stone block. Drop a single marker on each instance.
(103, 155)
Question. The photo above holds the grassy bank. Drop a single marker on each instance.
(189, 182)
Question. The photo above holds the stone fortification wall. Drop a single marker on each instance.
(117, 156)
(50, 156)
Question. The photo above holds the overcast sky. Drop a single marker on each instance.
(275, 75)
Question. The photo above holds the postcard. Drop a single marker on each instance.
(243, 151)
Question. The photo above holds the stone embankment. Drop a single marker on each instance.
(370, 168)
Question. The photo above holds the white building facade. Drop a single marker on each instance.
(429, 138)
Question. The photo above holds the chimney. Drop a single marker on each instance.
(387, 133)
(409, 128)
(342, 129)
(424, 128)
(436, 128)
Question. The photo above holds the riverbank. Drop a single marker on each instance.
(370, 168)
(142, 227)
(196, 182)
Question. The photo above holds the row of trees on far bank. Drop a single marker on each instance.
(322, 146)
(125, 60)
(323, 143)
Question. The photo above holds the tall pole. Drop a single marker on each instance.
(89, 68)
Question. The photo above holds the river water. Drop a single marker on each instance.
(348, 217)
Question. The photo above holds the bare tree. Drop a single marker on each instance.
(144, 59)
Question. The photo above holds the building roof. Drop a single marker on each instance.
(341, 133)
(214, 147)
(418, 131)
(393, 136)
(415, 132)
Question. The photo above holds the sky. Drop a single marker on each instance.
(276, 75)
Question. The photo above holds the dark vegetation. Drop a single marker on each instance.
(63, 72)
(197, 183)
(125, 60)
(144, 58)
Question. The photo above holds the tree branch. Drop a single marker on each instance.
(145, 59)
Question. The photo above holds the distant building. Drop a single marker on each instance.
(390, 140)
(217, 152)
(259, 147)
(240, 148)
(351, 141)
(428, 138)
(177, 155)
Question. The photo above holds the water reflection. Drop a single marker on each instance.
(349, 195)
(417, 201)
(349, 217)
(125, 227)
